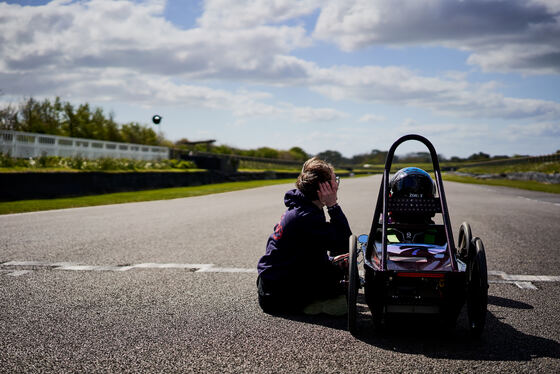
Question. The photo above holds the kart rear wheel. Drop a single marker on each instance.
(477, 288)
(464, 240)
(353, 284)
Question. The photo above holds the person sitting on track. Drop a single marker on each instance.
(296, 273)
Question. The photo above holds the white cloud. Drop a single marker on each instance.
(307, 114)
(250, 13)
(99, 34)
(538, 59)
(513, 35)
(449, 131)
(545, 129)
(371, 118)
(401, 86)
(126, 51)
(146, 90)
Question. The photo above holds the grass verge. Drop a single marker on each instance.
(128, 197)
(543, 167)
(247, 170)
(525, 185)
(23, 206)
(19, 169)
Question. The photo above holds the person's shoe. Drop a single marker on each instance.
(314, 308)
(336, 306)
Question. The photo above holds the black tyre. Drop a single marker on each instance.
(464, 241)
(477, 288)
(353, 285)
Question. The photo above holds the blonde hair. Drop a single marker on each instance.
(314, 171)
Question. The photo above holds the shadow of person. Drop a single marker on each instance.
(423, 335)
(420, 335)
(333, 322)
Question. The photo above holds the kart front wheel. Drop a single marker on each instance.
(464, 241)
(477, 288)
(353, 284)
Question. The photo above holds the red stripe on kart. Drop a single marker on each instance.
(421, 275)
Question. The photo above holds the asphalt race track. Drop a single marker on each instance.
(169, 286)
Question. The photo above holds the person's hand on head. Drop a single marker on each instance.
(328, 192)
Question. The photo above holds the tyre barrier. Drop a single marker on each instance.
(22, 186)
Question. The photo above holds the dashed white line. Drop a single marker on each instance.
(17, 273)
(70, 266)
(522, 285)
(37, 263)
(153, 265)
(526, 285)
(226, 270)
(538, 201)
(526, 278)
(92, 268)
(521, 281)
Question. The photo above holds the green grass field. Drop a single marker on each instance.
(525, 185)
(128, 197)
(544, 167)
(19, 169)
(174, 193)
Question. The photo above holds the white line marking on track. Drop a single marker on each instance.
(538, 201)
(521, 281)
(526, 285)
(226, 270)
(17, 273)
(92, 268)
(38, 263)
(71, 266)
(171, 266)
(528, 278)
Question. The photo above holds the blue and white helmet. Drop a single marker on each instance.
(412, 182)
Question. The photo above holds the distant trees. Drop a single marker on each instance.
(416, 157)
(266, 152)
(56, 117)
(136, 133)
(296, 153)
(8, 117)
(374, 157)
(293, 154)
(480, 156)
(334, 157)
(377, 157)
(64, 119)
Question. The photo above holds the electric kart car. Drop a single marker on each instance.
(412, 266)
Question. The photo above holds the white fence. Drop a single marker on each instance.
(24, 145)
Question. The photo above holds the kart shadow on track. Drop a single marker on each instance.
(500, 341)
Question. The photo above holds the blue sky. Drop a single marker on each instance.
(351, 76)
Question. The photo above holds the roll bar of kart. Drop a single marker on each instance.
(384, 195)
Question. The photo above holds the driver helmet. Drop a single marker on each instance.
(411, 182)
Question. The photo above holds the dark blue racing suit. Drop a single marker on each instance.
(296, 268)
